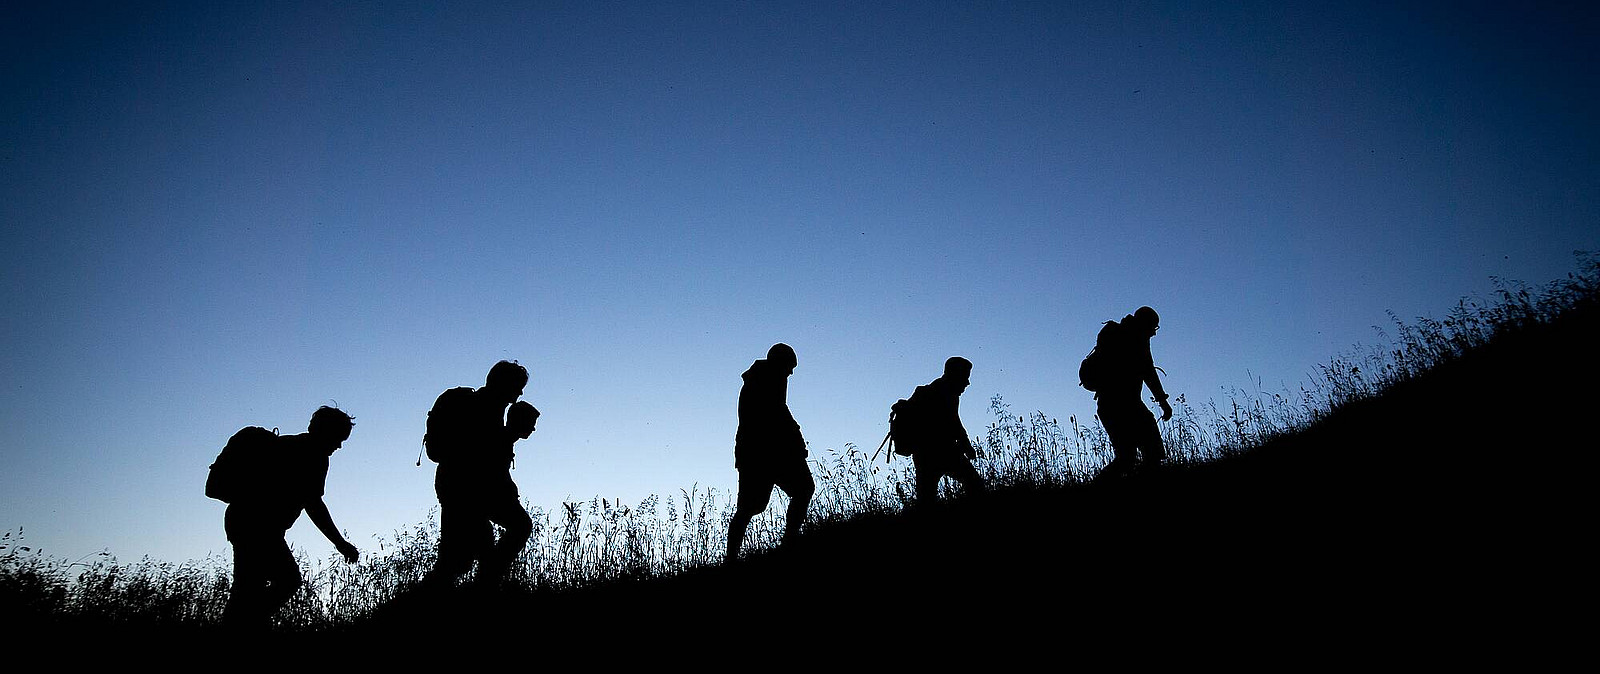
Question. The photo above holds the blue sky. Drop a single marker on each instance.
(219, 216)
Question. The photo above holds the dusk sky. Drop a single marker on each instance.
(227, 214)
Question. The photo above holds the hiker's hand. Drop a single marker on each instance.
(1166, 410)
(351, 554)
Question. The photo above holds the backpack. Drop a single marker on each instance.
(447, 423)
(904, 430)
(241, 470)
(1098, 368)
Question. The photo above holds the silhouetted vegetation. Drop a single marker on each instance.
(1367, 479)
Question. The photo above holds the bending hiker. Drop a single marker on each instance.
(769, 450)
(267, 480)
(939, 444)
(473, 448)
(1116, 370)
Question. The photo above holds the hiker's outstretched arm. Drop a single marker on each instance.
(1154, 382)
(963, 441)
(952, 411)
(1147, 367)
(317, 510)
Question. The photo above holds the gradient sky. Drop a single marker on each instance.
(223, 214)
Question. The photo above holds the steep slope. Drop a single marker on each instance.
(1436, 515)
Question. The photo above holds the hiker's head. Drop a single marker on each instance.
(958, 371)
(330, 426)
(783, 357)
(520, 419)
(1147, 320)
(506, 381)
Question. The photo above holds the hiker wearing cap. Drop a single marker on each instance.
(941, 446)
(1118, 368)
(768, 449)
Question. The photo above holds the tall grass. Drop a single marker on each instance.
(36, 587)
(582, 543)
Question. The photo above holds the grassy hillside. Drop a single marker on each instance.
(1427, 506)
(1422, 496)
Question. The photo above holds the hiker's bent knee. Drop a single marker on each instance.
(804, 490)
(518, 523)
(744, 514)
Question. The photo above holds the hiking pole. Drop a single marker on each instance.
(881, 445)
(419, 452)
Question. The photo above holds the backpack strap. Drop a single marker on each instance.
(887, 442)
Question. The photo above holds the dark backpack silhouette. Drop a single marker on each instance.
(1108, 361)
(448, 424)
(243, 470)
(1100, 366)
(906, 429)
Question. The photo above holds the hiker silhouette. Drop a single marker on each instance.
(267, 481)
(768, 449)
(1118, 368)
(939, 443)
(471, 435)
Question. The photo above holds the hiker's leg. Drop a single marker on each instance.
(755, 489)
(929, 468)
(510, 515)
(798, 484)
(961, 469)
(249, 582)
(283, 575)
(464, 534)
(1150, 446)
(1124, 443)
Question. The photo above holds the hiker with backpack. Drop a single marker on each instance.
(267, 480)
(928, 427)
(1116, 370)
(470, 435)
(768, 449)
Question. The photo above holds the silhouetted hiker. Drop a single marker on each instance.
(937, 441)
(1116, 370)
(473, 448)
(267, 479)
(769, 450)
